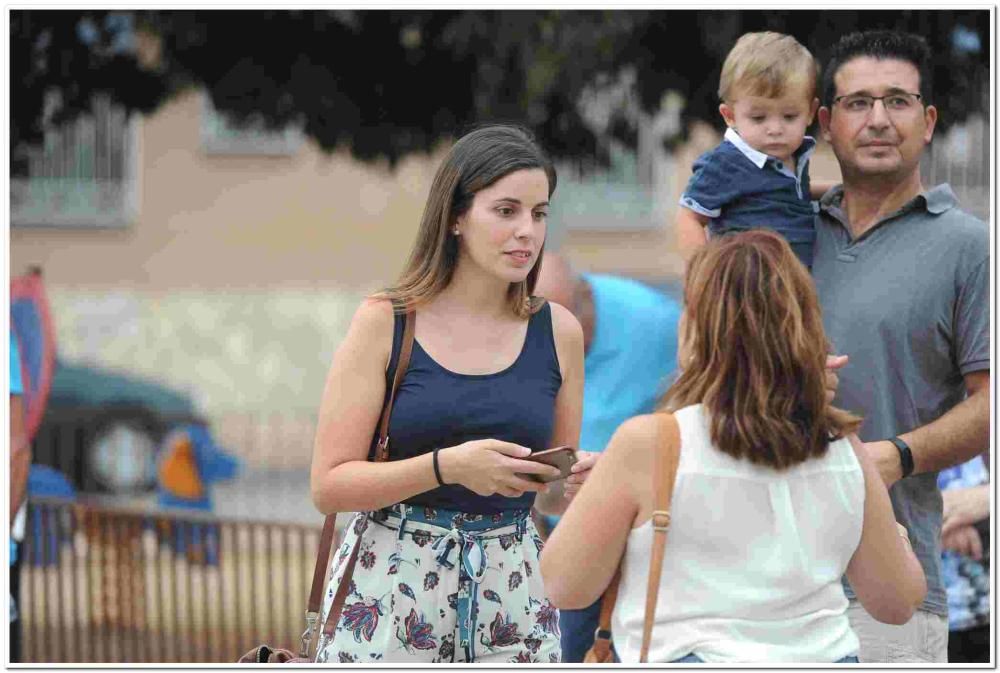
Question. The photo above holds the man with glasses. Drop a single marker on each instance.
(902, 275)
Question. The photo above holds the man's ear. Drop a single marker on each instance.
(824, 123)
(727, 115)
(930, 120)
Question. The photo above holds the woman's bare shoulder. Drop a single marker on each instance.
(635, 440)
(644, 428)
(374, 313)
(372, 326)
(565, 326)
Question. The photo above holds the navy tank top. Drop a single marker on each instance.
(438, 408)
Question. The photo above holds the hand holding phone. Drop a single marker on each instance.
(562, 457)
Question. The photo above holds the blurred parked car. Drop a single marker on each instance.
(102, 429)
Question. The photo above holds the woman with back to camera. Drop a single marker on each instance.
(448, 560)
(772, 504)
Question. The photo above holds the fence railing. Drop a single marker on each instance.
(109, 585)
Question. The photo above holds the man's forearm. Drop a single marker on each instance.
(958, 436)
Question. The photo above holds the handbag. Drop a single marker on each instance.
(664, 476)
(264, 654)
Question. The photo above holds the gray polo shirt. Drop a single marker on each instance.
(909, 302)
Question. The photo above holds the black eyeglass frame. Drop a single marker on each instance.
(837, 99)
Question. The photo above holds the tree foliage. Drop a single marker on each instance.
(385, 83)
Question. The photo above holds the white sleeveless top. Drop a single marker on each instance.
(753, 559)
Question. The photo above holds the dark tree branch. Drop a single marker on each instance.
(387, 83)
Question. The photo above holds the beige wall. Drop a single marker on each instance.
(240, 274)
(647, 254)
(212, 222)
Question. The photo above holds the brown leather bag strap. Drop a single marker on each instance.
(333, 617)
(322, 560)
(329, 525)
(666, 459)
(382, 450)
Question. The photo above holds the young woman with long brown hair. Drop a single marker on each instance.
(447, 568)
(772, 503)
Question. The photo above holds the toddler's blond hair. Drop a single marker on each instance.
(767, 64)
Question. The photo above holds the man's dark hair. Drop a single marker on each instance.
(882, 45)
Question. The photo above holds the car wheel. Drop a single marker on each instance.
(121, 457)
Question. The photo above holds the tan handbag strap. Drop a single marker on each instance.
(329, 525)
(665, 463)
(664, 475)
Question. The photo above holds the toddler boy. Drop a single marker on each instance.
(759, 175)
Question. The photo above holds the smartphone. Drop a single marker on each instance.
(562, 457)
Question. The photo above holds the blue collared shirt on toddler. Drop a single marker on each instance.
(740, 188)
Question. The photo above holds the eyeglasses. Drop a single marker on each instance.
(862, 104)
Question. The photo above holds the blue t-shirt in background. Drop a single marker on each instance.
(16, 386)
(740, 188)
(632, 356)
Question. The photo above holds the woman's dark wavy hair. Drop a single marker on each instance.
(477, 160)
(755, 352)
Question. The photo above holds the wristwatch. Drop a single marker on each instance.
(905, 456)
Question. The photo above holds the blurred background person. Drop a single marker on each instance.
(630, 347)
(965, 558)
(767, 511)
(20, 461)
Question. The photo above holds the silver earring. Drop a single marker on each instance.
(455, 231)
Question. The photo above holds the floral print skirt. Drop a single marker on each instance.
(435, 586)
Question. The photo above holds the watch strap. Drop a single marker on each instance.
(905, 455)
